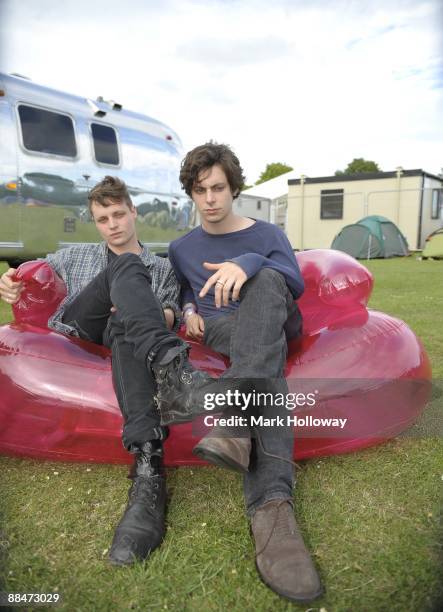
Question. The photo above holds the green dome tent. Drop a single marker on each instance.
(371, 237)
(434, 245)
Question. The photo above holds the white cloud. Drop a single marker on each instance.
(230, 52)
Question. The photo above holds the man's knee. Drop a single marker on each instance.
(265, 279)
(269, 275)
(127, 264)
(126, 260)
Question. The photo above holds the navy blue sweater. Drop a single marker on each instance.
(262, 245)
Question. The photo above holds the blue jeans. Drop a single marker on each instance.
(255, 339)
(137, 329)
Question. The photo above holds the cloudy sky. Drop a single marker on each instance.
(312, 84)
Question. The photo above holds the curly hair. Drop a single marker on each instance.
(203, 158)
(110, 188)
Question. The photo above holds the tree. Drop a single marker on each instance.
(273, 170)
(357, 165)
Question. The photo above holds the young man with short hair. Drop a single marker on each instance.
(121, 295)
(240, 279)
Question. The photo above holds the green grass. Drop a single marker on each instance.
(413, 291)
(371, 518)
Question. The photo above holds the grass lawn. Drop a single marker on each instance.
(370, 518)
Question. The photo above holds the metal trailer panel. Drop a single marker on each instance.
(48, 207)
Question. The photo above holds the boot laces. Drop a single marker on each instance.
(280, 526)
(146, 480)
(145, 489)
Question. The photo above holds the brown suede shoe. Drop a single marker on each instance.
(218, 448)
(282, 558)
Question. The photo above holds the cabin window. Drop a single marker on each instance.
(259, 205)
(105, 144)
(47, 132)
(437, 203)
(331, 204)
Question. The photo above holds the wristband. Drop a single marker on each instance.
(188, 311)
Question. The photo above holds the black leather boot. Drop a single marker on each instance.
(180, 387)
(142, 526)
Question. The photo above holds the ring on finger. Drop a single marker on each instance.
(220, 283)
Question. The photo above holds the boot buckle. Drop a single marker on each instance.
(186, 377)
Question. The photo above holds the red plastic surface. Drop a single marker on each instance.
(57, 399)
(43, 292)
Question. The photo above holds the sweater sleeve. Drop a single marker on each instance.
(186, 294)
(280, 257)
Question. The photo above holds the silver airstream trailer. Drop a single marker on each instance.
(55, 146)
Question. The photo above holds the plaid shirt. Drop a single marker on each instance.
(79, 264)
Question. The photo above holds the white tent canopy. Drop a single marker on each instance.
(274, 188)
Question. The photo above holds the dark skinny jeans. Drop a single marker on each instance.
(135, 331)
(255, 339)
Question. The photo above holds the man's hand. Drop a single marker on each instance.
(228, 276)
(170, 317)
(10, 290)
(195, 326)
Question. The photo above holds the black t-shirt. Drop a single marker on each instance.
(111, 256)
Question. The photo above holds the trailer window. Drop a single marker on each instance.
(105, 144)
(47, 132)
(331, 204)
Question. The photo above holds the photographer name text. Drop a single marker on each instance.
(277, 421)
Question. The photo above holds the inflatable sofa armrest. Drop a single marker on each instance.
(42, 293)
(334, 278)
(337, 289)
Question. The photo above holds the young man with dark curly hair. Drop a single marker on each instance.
(240, 280)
